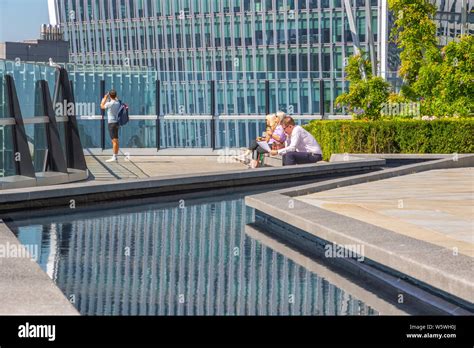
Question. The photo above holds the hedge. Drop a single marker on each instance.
(394, 136)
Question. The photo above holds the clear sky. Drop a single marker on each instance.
(22, 19)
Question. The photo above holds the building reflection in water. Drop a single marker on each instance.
(188, 259)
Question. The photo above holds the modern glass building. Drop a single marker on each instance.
(454, 17)
(138, 87)
(292, 43)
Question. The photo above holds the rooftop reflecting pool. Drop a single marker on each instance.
(188, 256)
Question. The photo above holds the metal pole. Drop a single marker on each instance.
(102, 112)
(321, 99)
(71, 85)
(158, 112)
(368, 16)
(267, 97)
(213, 114)
(463, 16)
(355, 36)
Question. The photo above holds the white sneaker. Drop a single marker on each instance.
(113, 159)
(241, 158)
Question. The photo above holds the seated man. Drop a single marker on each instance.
(301, 147)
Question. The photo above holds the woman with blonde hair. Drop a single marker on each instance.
(277, 133)
(275, 137)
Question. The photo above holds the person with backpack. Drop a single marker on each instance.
(117, 115)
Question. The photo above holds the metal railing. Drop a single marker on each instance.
(183, 131)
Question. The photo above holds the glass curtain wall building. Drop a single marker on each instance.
(238, 44)
(137, 87)
(454, 17)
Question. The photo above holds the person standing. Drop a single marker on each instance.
(111, 103)
(301, 147)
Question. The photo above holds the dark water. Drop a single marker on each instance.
(189, 257)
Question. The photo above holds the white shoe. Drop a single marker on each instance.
(241, 158)
(244, 156)
(113, 159)
(253, 164)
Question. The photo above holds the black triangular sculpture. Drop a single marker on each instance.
(22, 156)
(63, 94)
(56, 159)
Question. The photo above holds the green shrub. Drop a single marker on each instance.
(367, 93)
(394, 136)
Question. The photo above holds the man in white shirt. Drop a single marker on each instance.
(301, 147)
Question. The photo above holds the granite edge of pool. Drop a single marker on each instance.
(427, 263)
(25, 289)
(35, 197)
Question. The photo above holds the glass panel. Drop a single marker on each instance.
(36, 137)
(237, 133)
(25, 76)
(7, 160)
(185, 133)
(138, 134)
(89, 131)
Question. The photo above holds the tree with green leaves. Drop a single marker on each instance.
(446, 84)
(414, 32)
(366, 96)
(442, 80)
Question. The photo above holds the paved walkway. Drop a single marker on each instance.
(435, 206)
(138, 167)
(21, 278)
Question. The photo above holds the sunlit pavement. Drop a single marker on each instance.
(434, 206)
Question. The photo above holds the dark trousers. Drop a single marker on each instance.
(292, 158)
(256, 150)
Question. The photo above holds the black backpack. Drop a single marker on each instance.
(123, 114)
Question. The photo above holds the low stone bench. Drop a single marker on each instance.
(273, 161)
(276, 161)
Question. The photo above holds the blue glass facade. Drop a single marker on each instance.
(450, 19)
(137, 87)
(239, 44)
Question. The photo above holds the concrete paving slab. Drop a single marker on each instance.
(137, 167)
(435, 206)
(186, 152)
(16, 181)
(24, 288)
(51, 178)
